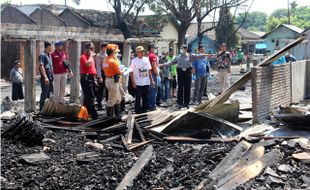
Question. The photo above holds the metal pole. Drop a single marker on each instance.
(288, 12)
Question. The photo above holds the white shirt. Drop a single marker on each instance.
(140, 69)
(100, 59)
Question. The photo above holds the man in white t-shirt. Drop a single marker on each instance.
(141, 78)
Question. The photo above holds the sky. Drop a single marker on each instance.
(267, 6)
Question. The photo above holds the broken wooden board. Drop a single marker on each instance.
(243, 163)
(234, 155)
(245, 78)
(226, 111)
(86, 157)
(196, 140)
(130, 126)
(249, 171)
(138, 145)
(303, 157)
(134, 171)
(34, 158)
(139, 131)
(199, 125)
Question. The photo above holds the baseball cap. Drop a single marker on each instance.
(59, 43)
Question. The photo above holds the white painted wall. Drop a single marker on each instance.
(169, 31)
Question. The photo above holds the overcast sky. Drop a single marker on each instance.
(267, 6)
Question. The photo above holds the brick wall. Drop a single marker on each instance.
(271, 87)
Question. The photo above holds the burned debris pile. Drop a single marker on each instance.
(24, 128)
(201, 148)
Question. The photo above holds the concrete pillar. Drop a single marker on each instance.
(74, 56)
(30, 70)
(126, 62)
(307, 94)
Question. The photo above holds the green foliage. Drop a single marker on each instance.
(300, 17)
(6, 2)
(259, 21)
(279, 13)
(226, 31)
(255, 21)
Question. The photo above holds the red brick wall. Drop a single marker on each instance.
(271, 87)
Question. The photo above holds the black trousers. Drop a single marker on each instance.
(184, 86)
(46, 90)
(88, 86)
(142, 92)
(100, 92)
(17, 91)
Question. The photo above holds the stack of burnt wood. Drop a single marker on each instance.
(24, 128)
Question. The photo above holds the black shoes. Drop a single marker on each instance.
(110, 111)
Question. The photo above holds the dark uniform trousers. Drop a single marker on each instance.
(184, 86)
(142, 92)
(88, 85)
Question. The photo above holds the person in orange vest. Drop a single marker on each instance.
(112, 72)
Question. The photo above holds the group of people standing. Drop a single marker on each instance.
(151, 77)
(54, 70)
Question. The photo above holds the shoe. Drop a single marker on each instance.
(180, 106)
(110, 111)
(99, 107)
(152, 109)
(117, 110)
(123, 104)
(186, 106)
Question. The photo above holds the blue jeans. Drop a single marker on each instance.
(153, 93)
(46, 90)
(165, 89)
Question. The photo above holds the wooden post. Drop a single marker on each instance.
(75, 53)
(30, 69)
(126, 61)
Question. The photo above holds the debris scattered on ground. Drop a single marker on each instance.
(303, 156)
(127, 181)
(34, 158)
(23, 128)
(295, 116)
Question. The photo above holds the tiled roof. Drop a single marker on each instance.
(246, 34)
(10, 14)
(44, 16)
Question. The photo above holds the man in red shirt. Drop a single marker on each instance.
(88, 79)
(60, 70)
(155, 75)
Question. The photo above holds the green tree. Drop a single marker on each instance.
(255, 20)
(126, 13)
(182, 12)
(300, 17)
(279, 13)
(225, 31)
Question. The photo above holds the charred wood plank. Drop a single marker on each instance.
(134, 171)
(125, 142)
(130, 126)
(196, 140)
(139, 131)
(138, 145)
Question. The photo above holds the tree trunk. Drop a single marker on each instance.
(124, 28)
(199, 31)
(182, 33)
